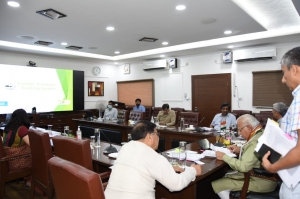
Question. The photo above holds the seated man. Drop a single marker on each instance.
(250, 129)
(138, 166)
(223, 120)
(278, 111)
(110, 112)
(166, 116)
(138, 106)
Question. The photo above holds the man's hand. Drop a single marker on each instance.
(178, 169)
(266, 163)
(162, 123)
(219, 155)
(198, 169)
(234, 149)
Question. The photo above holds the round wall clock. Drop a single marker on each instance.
(96, 70)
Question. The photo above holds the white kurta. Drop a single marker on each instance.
(136, 169)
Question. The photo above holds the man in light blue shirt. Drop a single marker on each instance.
(138, 106)
(110, 112)
(224, 117)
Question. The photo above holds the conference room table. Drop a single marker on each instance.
(200, 188)
(169, 137)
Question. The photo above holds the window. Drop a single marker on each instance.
(128, 91)
(268, 89)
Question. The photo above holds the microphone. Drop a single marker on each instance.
(110, 148)
(202, 120)
(218, 143)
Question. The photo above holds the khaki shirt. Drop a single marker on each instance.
(169, 119)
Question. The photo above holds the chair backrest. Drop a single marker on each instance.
(263, 118)
(148, 113)
(155, 111)
(123, 115)
(136, 115)
(73, 150)
(2, 152)
(74, 181)
(238, 113)
(41, 152)
(191, 118)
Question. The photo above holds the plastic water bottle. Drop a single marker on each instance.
(152, 119)
(182, 154)
(79, 134)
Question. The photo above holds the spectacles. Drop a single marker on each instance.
(242, 128)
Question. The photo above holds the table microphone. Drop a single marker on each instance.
(201, 120)
(110, 148)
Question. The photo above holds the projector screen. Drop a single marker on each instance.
(47, 89)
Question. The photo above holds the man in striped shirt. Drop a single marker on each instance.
(290, 124)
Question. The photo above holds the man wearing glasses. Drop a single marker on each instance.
(250, 129)
(138, 166)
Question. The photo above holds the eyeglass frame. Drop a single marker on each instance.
(157, 133)
(239, 130)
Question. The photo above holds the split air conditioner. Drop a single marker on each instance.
(155, 65)
(255, 54)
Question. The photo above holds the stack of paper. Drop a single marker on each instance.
(276, 139)
(191, 156)
(223, 150)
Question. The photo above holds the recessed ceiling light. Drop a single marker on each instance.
(116, 63)
(117, 52)
(110, 28)
(180, 7)
(13, 4)
(164, 43)
(230, 46)
(208, 21)
(162, 55)
(64, 43)
(227, 32)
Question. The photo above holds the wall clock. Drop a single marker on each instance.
(126, 68)
(96, 70)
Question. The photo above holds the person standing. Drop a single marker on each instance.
(110, 112)
(290, 124)
(224, 119)
(138, 106)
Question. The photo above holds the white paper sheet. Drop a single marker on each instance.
(275, 138)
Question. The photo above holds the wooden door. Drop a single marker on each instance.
(208, 93)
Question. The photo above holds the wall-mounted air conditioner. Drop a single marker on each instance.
(155, 65)
(255, 54)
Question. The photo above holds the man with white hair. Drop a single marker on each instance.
(250, 129)
(278, 111)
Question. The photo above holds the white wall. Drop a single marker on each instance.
(106, 75)
(196, 65)
(206, 64)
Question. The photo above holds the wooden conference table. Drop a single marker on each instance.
(169, 137)
(200, 188)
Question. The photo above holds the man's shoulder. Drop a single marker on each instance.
(114, 109)
(172, 112)
(218, 115)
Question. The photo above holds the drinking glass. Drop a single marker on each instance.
(92, 141)
(129, 137)
(32, 126)
(97, 138)
(50, 129)
(175, 158)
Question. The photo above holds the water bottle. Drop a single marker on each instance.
(97, 137)
(182, 124)
(152, 119)
(182, 154)
(100, 113)
(78, 133)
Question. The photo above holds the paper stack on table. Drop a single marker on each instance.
(276, 139)
(191, 155)
(216, 148)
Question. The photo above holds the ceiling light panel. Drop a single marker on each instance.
(13, 4)
(180, 7)
(271, 14)
(110, 28)
(51, 13)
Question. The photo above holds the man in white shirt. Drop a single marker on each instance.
(138, 166)
(224, 118)
(110, 112)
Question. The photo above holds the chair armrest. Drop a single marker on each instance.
(244, 190)
(262, 173)
(105, 175)
(14, 157)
